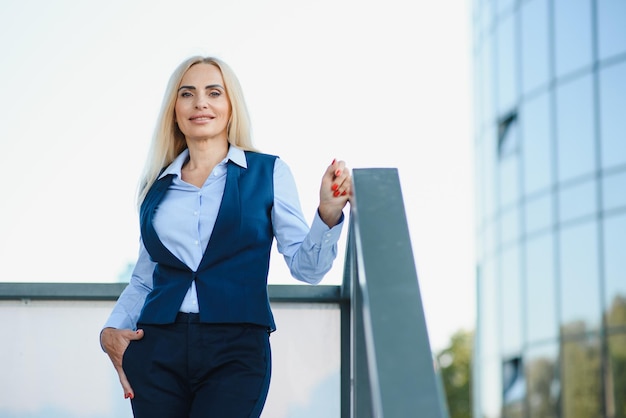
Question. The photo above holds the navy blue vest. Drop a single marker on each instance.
(231, 279)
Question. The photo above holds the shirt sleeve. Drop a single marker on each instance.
(308, 251)
(128, 307)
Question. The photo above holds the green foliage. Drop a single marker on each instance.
(455, 363)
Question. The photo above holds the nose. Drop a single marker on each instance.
(201, 102)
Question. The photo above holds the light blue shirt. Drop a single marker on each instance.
(185, 220)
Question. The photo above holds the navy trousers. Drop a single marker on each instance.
(193, 370)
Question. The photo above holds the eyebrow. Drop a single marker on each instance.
(210, 86)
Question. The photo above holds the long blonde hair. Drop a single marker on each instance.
(168, 141)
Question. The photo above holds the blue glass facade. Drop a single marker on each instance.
(550, 146)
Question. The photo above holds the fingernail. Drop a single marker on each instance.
(337, 173)
(126, 395)
(334, 161)
(336, 193)
(335, 187)
(344, 193)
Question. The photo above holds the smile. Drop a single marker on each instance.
(201, 118)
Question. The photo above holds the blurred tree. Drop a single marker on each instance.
(456, 373)
(616, 367)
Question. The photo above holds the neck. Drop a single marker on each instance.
(205, 154)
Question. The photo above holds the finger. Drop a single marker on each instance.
(338, 173)
(346, 186)
(342, 185)
(339, 168)
(136, 335)
(329, 174)
(128, 390)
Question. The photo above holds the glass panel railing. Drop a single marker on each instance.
(52, 364)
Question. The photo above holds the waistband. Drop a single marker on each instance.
(193, 318)
(182, 317)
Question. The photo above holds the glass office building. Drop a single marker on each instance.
(550, 142)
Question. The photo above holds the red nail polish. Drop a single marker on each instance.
(344, 193)
(336, 193)
(334, 161)
(126, 395)
(337, 173)
(334, 187)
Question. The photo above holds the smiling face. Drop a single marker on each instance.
(202, 109)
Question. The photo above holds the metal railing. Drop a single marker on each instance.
(387, 367)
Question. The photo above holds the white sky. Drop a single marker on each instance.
(378, 84)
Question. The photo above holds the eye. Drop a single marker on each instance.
(215, 93)
(185, 94)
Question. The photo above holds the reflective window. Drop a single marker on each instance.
(479, 191)
(510, 226)
(506, 69)
(509, 181)
(535, 43)
(477, 80)
(541, 365)
(540, 306)
(504, 5)
(510, 301)
(612, 120)
(538, 214)
(613, 186)
(489, 239)
(572, 35)
(486, 14)
(486, 87)
(615, 270)
(578, 200)
(508, 170)
(507, 144)
(616, 376)
(581, 381)
(513, 387)
(579, 284)
(575, 128)
(611, 27)
(488, 310)
(490, 393)
(537, 144)
(489, 178)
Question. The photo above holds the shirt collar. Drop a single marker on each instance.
(236, 155)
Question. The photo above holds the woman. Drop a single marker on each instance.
(189, 336)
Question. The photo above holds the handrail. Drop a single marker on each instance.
(111, 291)
(387, 367)
(392, 371)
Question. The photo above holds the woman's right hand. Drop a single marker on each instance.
(114, 342)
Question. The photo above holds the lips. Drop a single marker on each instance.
(202, 117)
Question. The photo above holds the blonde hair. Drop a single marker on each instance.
(168, 141)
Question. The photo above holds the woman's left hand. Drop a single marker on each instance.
(335, 192)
